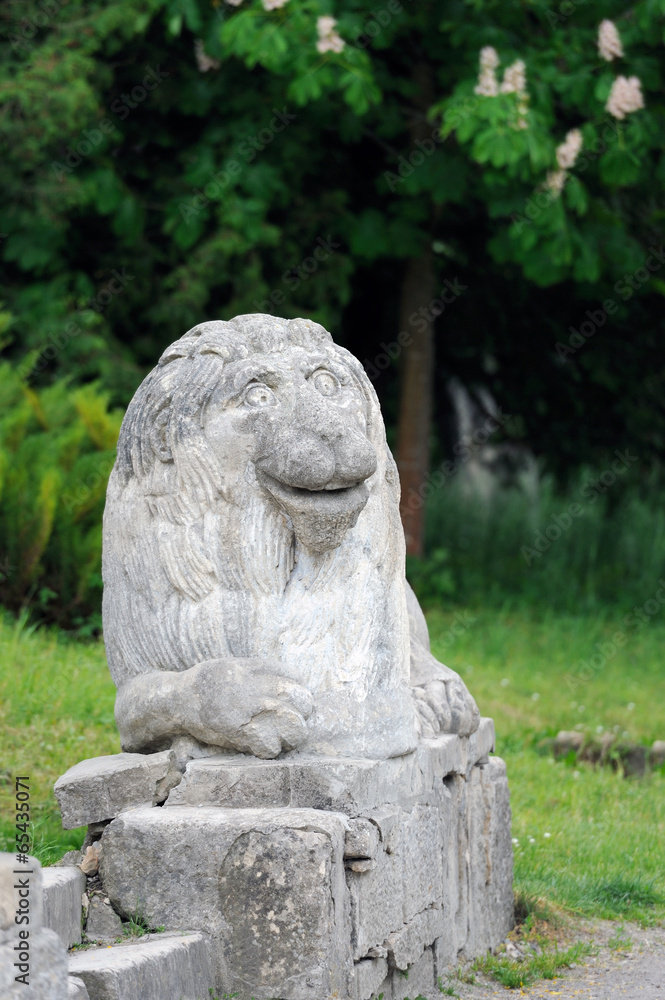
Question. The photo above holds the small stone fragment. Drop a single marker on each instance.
(90, 863)
(103, 923)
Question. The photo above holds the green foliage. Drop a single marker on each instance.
(612, 552)
(57, 448)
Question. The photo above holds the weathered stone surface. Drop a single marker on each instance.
(44, 961)
(420, 978)
(77, 989)
(369, 973)
(253, 557)
(268, 885)
(99, 788)
(362, 839)
(102, 922)
(490, 865)
(422, 871)
(405, 947)
(167, 967)
(376, 899)
(63, 888)
(352, 786)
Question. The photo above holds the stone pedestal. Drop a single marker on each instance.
(318, 877)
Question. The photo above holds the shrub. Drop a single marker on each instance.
(57, 448)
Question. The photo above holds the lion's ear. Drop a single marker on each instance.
(159, 437)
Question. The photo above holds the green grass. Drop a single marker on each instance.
(546, 965)
(604, 855)
(588, 840)
(56, 708)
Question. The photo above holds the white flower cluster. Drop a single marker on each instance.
(566, 154)
(234, 3)
(329, 39)
(625, 96)
(487, 85)
(273, 4)
(609, 42)
(203, 60)
(514, 79)
(514, 82)
(569, 150)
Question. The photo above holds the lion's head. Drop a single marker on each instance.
(254, 502)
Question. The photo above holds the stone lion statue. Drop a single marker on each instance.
(253, 558)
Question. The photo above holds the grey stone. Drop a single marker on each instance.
(406, 946)
(567, 741)
(63, 888)
(352, 786)
(362, 839)
(253, 557)
(376, 899)
(102, 922)
(657, 753)
(419, 980)
(44, 962)
(167, 967)
(268, 885)
(77, 989)
(422, 870)
(99, 788)
(369, 973)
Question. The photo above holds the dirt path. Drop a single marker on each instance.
(637, 973)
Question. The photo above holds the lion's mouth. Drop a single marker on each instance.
(320, 518)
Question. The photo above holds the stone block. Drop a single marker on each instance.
(334, 784)
(77, 989)
(418, 980)
(489, 869)
(422, 870)
(167, 967)
(44, 961)
(267, 884)
(100, 788)
(362, 839)
(369, 973)
(63, 889)
(376, 898)
(102, 922)
(406, 946)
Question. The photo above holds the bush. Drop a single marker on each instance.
(57, 448)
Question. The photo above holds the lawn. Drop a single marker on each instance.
(588, 840)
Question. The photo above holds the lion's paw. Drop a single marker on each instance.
(446, 706)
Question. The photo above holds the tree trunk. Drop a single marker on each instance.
(416, 391)
(417, 382)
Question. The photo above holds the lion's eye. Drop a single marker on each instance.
(260, 395)
(325, 383)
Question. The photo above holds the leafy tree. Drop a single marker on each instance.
(395, 176)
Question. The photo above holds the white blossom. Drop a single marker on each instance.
(329, 39)
(609, 42)
(273, 4)
(487, 85)
(625, 96)
(203, 60)
(569, 150)
(233, 3)
(514, 79)
(555, 181)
